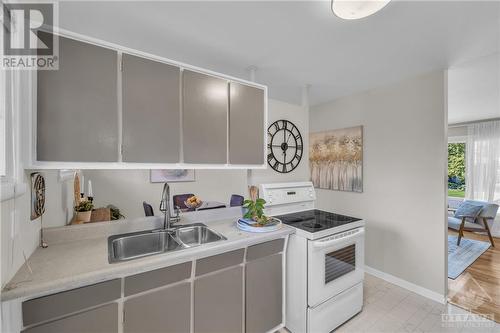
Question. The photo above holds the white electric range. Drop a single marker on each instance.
(325, 259)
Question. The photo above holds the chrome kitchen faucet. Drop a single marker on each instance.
(165, 208)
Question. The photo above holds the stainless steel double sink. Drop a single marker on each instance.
(145, 243)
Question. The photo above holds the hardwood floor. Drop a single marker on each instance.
(478, 287)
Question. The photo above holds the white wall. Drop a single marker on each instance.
(404, 176)
(127, 189)
(474, 90)
(16, 213)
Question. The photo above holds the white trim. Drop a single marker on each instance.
(457, 139)
(407, 285)
(137, 166)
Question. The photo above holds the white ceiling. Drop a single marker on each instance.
(297, 43)
(474, 90)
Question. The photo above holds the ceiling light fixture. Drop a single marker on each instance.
(356, 9)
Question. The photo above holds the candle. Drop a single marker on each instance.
(82, 185)
(89, 189)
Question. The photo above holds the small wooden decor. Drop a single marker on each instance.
(253, 192)
(76, 189)
(100, 214)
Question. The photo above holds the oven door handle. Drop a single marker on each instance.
(329, 242)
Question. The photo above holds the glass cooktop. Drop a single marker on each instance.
(315, 220)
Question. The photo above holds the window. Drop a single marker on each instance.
(14, 90)
(456, 169)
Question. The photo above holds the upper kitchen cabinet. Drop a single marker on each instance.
(151, 111)
(246, 124)
(113, 108)
(77, 118)
(205, 118)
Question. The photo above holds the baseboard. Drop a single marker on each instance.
(407, 285)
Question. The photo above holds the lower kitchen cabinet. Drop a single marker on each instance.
(103, 319)
(218, 302)
(231, 292)
(264, 294)
(165, 310)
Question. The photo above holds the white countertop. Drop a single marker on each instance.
(76, 263)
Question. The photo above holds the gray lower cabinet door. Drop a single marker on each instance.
(100, 320)
(246, 124)
(218, 302)
(205, 114)
(165, 310)
(151, 111)
(77, 112)
(264, 294)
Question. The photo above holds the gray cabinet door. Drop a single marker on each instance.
(246, 124)
(103, 319)
(151, 111)
(218, 302)
(165, 310)
(264, 300)
(77, 113)
(205, 113)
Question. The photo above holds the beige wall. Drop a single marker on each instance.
(403, 201)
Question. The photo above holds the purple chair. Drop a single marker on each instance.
(236, 200)
(148, 209)
(179, 200)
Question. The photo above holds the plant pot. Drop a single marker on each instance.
(244, 210)
(83, 216)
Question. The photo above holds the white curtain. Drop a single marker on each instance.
(483, 161)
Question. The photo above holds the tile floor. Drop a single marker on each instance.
(389, 308)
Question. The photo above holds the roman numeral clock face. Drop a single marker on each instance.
(284, 146)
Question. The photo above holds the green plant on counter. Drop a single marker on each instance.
(255, 210)
(115, 212)
(84, 206)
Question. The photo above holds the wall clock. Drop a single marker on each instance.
(284, 146)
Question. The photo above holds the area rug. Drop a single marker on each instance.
(461, 257)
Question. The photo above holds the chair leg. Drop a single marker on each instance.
(461, 231)
(488, 231)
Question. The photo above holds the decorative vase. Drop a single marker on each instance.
(83, 216)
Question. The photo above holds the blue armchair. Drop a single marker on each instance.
(474, 220)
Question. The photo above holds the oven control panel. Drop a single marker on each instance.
(287, 193)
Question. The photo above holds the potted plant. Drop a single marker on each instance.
(115, 213)
(254, 210)
(84, 210)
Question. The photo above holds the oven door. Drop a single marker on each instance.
(335, 263)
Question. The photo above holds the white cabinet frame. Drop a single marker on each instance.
(30, 154)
